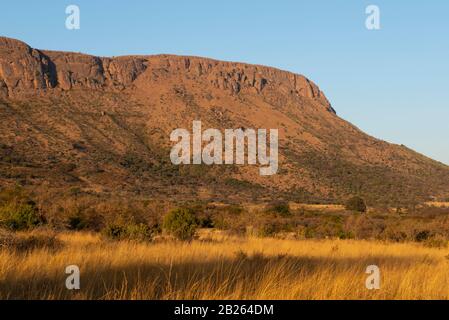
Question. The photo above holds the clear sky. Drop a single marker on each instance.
(392, 83)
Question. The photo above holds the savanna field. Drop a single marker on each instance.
(140, 249)
(217, 266)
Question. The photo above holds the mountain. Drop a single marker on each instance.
(102, 125)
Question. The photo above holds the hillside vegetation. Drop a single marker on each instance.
(102, 125)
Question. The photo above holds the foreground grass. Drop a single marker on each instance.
(224, 268)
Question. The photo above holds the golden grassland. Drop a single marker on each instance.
(218, 266)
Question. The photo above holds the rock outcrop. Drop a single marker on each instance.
(27, 70)
(23, 68)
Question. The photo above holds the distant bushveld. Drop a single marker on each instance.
(125, 218)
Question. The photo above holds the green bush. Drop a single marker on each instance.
(20, 216)
(356, 204)
(181, 223)
(135, 232)
(139, 232)
(17, 210)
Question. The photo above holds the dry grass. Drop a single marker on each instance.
(220, 267)
(296, 206)
(319, 207)
(437, 204)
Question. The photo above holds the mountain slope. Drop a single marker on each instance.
(103, 124)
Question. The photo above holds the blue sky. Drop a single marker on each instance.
(392, 83)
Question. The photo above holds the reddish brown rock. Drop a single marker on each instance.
(23, 69)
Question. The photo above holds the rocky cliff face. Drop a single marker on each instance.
(23, 68)
(103, 125)
(26, 70)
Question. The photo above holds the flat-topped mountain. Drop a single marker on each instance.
(71, 120)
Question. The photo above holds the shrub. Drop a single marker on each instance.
(114, 231)
(279, 208)
(133, 232)
(138, 232)
(422, 236)
(267, 230)
(78, 214)
(76, 222)
(356, 204)
(309, 233)
(181, 223)
(205, 222)
(20, 216)
(17, 210)
(345, 234)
